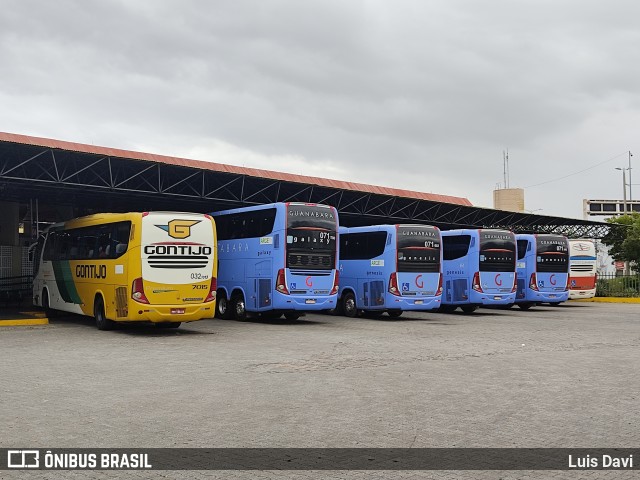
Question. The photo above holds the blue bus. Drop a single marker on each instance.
(389, 268)
(543, 269)
(479, 268)
(276, 259)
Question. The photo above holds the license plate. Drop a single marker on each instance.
(497, 298)
(310, 300)
(552, 296)
(419, 302)
(177, 311)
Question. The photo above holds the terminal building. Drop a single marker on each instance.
(43, 181)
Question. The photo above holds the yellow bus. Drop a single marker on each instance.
(158, 267)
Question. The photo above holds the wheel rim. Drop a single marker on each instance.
(222, 305)
(240, 307)
(349, 306)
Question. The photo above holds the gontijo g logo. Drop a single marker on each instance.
(178, 228)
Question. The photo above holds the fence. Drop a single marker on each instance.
(610, 285)
(16, 290)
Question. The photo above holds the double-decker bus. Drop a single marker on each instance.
(157, 267)
(479, 268)
(276, 259)
(543, 269)
(389, 268)
(582, 269)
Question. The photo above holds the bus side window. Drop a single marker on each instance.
(455, 246)
(362, 246)
(49, 247)
(522, 248)
(120, 239)
(35, 254)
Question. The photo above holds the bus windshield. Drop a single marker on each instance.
(418, 249)
(552, 254)
(311, 237)
(497, 251)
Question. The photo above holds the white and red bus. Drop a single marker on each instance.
(582, 269)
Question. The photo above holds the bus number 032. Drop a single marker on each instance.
(199, 276)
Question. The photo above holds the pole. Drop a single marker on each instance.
(630, 196)
(624, 191)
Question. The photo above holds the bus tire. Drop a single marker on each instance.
(525, 306)
(239, 307)
(349, 305)
(45, 303)
(222, 307)
(394, 313)
(292, 316)
(168, 324)
(102, 322)
(469, 308)
(446, 309)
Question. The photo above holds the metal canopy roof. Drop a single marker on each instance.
(103, 179)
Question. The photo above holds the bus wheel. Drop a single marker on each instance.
(446, 309)
(239, 309)
(45, 304)
(524, 306)
(394, 313)
(168, 324)
(349, 305)
(102, 322)
(469, 308)
(222, 307)
(292, 316)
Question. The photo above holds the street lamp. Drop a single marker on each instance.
(624, 188)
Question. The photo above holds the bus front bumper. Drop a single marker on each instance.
(304, 302)
(543, 297)
(410, 303)
(575, 294)
(169, 313)
(492, 298)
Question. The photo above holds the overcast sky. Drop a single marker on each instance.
(423, 95)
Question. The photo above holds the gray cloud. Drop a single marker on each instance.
(420, 95)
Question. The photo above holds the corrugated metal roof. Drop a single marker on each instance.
(220, 167)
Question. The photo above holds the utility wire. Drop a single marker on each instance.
(578, 172)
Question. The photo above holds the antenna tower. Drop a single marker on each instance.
(505, 167)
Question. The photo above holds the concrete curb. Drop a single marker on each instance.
(608, 300)
(24, 322)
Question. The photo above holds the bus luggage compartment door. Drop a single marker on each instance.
(520, 293)
(460, 290)
(263, 289)
(373, 293)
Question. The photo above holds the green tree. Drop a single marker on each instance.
(623, 238)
